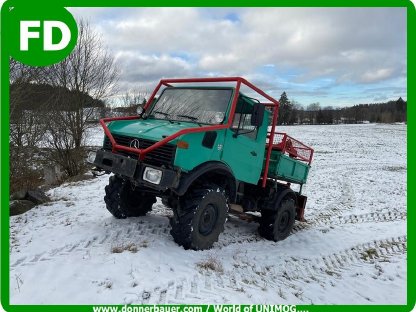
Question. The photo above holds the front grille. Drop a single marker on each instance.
(163, 155)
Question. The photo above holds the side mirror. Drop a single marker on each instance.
(140, 110)
(257, 115)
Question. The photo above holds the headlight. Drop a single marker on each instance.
(91, 157)
(152, 175)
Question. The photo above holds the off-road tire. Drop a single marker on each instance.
(277, 225)
(200, 217)
(123, 200)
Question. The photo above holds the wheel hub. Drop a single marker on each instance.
(208, 219)
(283, 221)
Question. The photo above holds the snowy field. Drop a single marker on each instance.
(352, 250)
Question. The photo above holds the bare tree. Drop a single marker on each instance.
(89, 70)
(132, 99)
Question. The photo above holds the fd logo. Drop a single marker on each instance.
(41, 36)
(48, 26)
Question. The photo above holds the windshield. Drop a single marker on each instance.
(205, 106)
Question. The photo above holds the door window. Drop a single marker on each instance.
(242, 120)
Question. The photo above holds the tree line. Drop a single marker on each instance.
(291, 112)
(36, 95)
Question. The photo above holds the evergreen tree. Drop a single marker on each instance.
(285, 110)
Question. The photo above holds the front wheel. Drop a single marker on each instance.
(200, 218)
(124, 200)
(277, 225)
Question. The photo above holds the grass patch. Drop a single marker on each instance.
(132, 247)
(369, 254)
(211, 264)
(395, 168)
(106, 284)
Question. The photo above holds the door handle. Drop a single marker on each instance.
(253, 153)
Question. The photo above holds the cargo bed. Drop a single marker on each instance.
(290, 159)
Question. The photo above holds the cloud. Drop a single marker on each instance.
(315, 49)
(140, 68)
(378, 74)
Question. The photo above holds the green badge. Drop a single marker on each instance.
(41, 36)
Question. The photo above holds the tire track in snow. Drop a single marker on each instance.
(351, 219)
(246, 276)
(144, 229)
(344, 198)
(340, 204)
(132, 232)
(238, 237)
(335, 264)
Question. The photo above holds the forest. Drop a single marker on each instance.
(291, 113)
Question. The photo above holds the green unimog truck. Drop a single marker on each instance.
(207, 150)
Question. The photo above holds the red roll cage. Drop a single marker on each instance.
(274, 106)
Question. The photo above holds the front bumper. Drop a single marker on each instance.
(133, 169)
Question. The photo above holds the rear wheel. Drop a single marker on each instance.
(124, 200)
(277, 225)
(200, 217)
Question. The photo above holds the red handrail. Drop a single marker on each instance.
(168, 82)
(289, 145)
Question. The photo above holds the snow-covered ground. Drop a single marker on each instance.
(352, 249)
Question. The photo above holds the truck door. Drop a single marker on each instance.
(243, 148)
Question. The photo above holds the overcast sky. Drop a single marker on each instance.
(335, 56)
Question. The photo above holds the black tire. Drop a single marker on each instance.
(123, 200)
(277, 225)
(200, 217)
(167, 202)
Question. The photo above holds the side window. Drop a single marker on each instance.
(242, 120)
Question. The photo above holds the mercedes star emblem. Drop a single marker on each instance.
(134, 143)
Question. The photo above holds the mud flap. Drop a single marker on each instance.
(300, 209)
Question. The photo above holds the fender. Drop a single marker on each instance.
(217, 168)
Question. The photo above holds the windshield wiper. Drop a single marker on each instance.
(164, 114)
(191, 118)
(187, 116)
